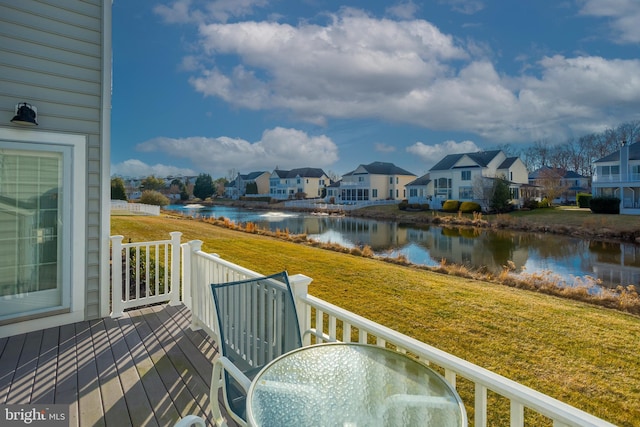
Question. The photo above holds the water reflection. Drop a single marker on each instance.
(561, 256)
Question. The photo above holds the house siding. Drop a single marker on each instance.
(51, 56)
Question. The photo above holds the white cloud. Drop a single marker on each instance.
(467, 7)
(431, 154)
(137, 168)
(624, 16)
(285, 148)
(403, 10)
(199, 11)
(349, 68)
(357, 66)
(383, 148)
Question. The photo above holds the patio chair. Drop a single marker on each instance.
(257, 322)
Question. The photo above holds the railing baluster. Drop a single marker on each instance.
(346, 331)
(332, 328)
(517, 414)
(450, 376)
(480, 406)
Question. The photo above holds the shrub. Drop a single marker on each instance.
(583, 200)
(403, 205)
(605, 205)
(468, 207)
(530, 204)
(425, 206)
(152, 197)
(544, 203)
(451, 206)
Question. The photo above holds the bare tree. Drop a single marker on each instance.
(552, 183)
(629, 132)
(483, 190)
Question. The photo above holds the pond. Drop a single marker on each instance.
(570, 259)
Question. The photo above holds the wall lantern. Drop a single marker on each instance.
(25, 115)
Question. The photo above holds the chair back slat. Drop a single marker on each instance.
(257, 322)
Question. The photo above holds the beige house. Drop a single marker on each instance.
(306, 183)
(375, 181)
(55, 101)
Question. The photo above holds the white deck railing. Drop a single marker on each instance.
(135, 207)
(144, 273)
(333, 323)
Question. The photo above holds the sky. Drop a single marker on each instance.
(227, 86)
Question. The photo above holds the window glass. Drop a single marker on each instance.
(31, 225)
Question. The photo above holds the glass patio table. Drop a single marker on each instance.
(350, 385)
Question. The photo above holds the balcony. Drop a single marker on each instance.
(630, 178)
(152, 365)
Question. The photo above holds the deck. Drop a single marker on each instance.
(146, 368)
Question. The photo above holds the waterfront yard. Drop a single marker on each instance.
(584, 355)
(567, 220)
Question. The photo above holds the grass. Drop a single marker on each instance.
(578, 353)
(560, 220)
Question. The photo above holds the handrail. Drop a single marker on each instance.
(321, 321)
(519, 395)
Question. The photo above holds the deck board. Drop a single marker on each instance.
(146, 368)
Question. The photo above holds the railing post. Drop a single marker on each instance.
(175, 267)
(300, 288)
(190, 286)
(185, 253)
(116, 276)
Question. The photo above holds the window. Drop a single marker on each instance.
(465, 193)
(36, 248)
(390, 180)
(466, 175)
(413, 192)
(610, 170)
(374, 193)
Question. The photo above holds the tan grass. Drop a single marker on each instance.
(579, 353)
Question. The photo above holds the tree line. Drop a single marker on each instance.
(154, 190)
(575, 154)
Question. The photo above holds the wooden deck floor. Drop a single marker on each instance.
(144, 369)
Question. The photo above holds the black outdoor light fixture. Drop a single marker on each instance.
(25, 115)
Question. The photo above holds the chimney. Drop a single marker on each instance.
(624, 161)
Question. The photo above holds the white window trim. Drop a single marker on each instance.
(77, 264)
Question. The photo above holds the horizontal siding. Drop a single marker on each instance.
(51, 57)
(68, 13)
(45, 53)
(48, 80)
(49, 36)
(78, 68)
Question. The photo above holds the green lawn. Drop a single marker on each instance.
(583, 355)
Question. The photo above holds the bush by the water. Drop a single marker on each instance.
(583, 200)
(544, 203)
(605, 205)
(152, 197)
(451, 206)
(468, 207)
(405, 205)
(530, 204)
